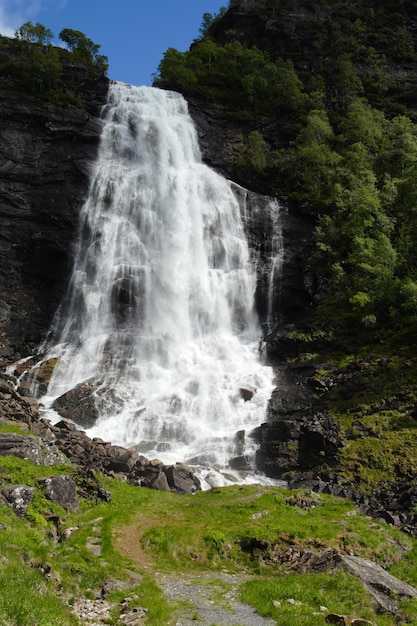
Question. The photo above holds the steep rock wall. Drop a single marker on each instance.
(46, 151)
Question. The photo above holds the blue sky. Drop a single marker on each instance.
(133, 34)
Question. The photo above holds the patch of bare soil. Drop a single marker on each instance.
(127, 541)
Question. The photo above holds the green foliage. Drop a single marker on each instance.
(37, 33)
(345, 146)
(36, 66)
(253, 161)
(235, 529)
(235, 73)
(84, 48)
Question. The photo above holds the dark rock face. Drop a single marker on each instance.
(294, 288)
(221, 141)
(297, 435)
(45, 155)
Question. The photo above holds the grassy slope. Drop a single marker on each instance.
(239, 530)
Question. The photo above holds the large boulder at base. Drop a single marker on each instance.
(78, 405)
(181, 478)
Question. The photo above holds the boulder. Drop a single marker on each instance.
(181, 478)
(240, 463)
(382, 586)
(29, 447)
(247, 393)
(119, 459)
(78, 405)
(61, 490)
(18, 497)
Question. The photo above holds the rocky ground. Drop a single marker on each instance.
(207, 599)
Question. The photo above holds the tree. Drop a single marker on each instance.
(174, 71)
(209, 19)
(84, 48)
(34, 33)
(39, 69)
(314, 160)
(254, 159)
(365, 124)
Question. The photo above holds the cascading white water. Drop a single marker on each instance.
(160, 317)
(276, 258)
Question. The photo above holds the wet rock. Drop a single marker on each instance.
(78, 405)
(247, 393)
(297, 443)
(181, 478)
(240, 463)
(35, 376)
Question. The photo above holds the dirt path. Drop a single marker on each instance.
(205, 599)
(127, 542)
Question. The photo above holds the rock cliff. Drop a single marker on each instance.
(46, 150)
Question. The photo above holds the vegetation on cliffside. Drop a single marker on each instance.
(30, 62)
(327, 96)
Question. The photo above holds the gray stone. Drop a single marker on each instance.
(62, 491)
(247, 393)
(18, 497)
(382, 586)
(29, 447)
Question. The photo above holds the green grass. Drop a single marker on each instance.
(294, 600)
(238, 529)
(222, 528)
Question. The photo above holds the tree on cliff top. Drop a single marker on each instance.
(34, 33)
(84, 48)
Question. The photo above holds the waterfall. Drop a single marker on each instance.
(159, 320)
(276, 258)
